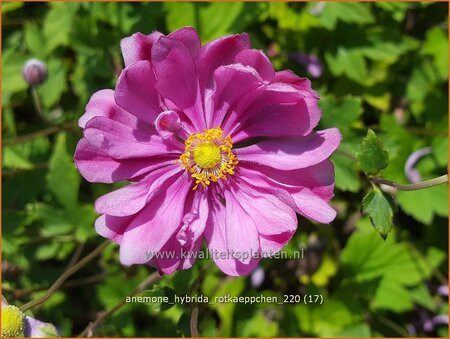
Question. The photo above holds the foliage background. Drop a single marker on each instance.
(385, 66)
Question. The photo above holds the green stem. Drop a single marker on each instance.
(71, 270)
(38, 106)
(412, 187)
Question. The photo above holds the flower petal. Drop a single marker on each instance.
(111, 227)
(123, 142)
(215, 236)
(227, 94)
(132, 198)
(177, 80)
(288, 153)
(189, 37)
(241, 230)
(313, 206)
(318, 178)
(259, 61)
(96, 166)
(216, 53)
(137, 47)
(136, 91)
(34, 328)
(156, 223)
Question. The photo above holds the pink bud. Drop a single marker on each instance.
(34, 72)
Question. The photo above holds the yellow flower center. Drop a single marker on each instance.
(208, 156)
(12, 322)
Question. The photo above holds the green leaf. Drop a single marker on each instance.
(348, 62)
(436, 45)
(423, 204)
(158, 291)
(13, 159)
(346, 176)
(372, 158)
(35, 40)
(349, 12)
(58, 24)
(380, 208)
(12, 79)
(340, 113)
(63, 179)
(390, 295)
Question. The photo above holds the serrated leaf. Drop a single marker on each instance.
(349, 12)
(12, 159)
(63, 179)
(380, 208)
(58, 24)
(372, 158)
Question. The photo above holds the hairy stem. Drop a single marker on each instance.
(89, 330)
(412, 187)
(71, 270)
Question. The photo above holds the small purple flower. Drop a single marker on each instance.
(221, 148)
(34, 72)
(311, 62)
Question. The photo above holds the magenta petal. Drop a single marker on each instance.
(259, 61)
(137, 47)
(96, 166)
(241, 230)
(177, 78)
(216, 53)
(131, 199)
(123, 142)
(289, 77)
(318, 178)
(102, 103)
(189, 37)
(136, 91)
(227, 94)
(313, 206)
(270, 214)
(111, 227)
(156, 223)
(288, 153)
(215, 236)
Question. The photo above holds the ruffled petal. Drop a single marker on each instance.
(123, 142)
(177, 78)
(132, 198)
(288, 153)
(227, 94)
(111, 227)
(156, 223)
(216, 53)
(136, 91)
(138, 47)
(259, 61)
(96, 166)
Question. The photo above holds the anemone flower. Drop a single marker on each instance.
(219, 147)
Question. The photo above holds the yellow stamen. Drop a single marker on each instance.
(208, 156)
(12, 322)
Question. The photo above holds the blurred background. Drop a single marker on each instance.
(379, 65)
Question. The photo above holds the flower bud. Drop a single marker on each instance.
(34, 72)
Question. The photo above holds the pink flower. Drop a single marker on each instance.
(219, 146)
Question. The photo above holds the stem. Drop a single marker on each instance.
(42, 133)
(412, 187)
(142, 286)
(194, 320)
(38, 107)
(71, 270)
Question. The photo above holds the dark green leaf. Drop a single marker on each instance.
(380, 208)
(372, 158)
